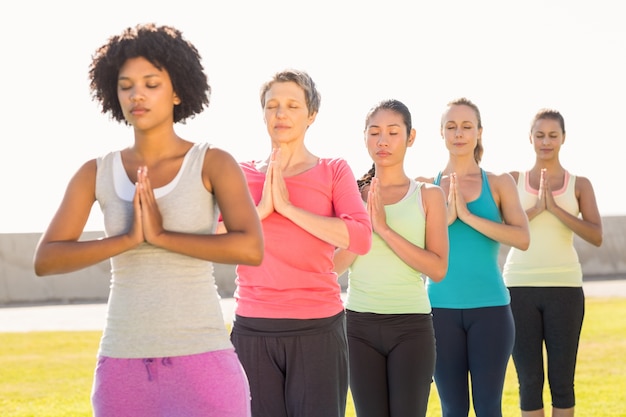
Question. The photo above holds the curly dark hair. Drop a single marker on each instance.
(165, 48)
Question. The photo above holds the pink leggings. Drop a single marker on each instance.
(207, 384)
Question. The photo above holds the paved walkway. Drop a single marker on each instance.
(91, 316)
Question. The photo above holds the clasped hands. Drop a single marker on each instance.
(457, 206)
(376, 208)
(147, 221)
(275, 196)
(545, 199)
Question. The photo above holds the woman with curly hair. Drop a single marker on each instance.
(165, 350)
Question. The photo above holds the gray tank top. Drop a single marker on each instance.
(160, 303)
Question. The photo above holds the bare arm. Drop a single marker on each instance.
(342, 260)
(437, 242)
(589, 225)
(513, 231)
(59, 249)
(428, 180)
(243, 241)
(432, 260)
(451, 214)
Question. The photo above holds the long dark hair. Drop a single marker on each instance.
(397, 107)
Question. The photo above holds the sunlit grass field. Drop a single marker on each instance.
(49, 374)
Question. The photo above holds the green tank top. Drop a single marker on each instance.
(379, 281)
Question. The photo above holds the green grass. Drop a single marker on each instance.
(50, 373)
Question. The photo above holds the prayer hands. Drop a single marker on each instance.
(545, 199)
(457, 207)
(148, 223)
(375, 207)
(275, 196)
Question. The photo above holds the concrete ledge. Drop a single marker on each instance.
(20, 285)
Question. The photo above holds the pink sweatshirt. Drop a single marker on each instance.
(296, 279)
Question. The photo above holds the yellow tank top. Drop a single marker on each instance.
(551, 259)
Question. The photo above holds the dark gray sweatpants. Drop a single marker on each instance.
(296, 368)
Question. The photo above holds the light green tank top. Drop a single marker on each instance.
(380, 282)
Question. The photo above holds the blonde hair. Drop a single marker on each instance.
(463, 101)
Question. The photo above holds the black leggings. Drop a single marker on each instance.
(554, 316)
(392, 360)
(477, 341)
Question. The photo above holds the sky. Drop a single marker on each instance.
(510, 58)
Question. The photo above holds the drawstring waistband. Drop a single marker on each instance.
(149, 361)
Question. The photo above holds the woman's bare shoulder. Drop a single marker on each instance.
(426, 180)
(501, 178)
